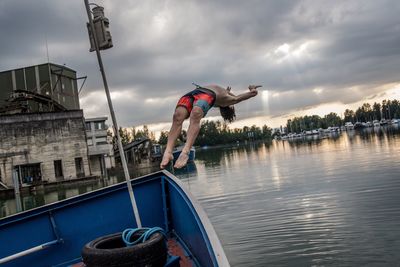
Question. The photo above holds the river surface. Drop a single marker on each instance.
(314, 202)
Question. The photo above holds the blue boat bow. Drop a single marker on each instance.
(54, 234)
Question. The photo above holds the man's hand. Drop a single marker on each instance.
(254, 87)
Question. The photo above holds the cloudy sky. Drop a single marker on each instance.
(310, 56)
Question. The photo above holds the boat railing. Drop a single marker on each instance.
(38, 247)
(29, 251)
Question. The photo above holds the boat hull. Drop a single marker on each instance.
(71, 223)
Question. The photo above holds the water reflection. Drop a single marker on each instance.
(314, 202)
(47, 196)
(190, 168)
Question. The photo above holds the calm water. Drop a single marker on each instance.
(332, 202)
(329, 202)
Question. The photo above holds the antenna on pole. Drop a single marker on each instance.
(47, 49)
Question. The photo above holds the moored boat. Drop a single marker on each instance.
(54, 235)
(349, 126)
(178, 150)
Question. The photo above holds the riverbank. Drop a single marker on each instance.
(257, 141)
(28, 189)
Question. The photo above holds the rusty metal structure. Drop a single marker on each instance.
(41, 88)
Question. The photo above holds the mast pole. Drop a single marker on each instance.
(114, 120)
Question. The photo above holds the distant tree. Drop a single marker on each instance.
(266, 132)
(163, 139)
(395, 109)
(349, 115)
(143, 133)
(364, 113)
(125, 136)
(376, 108)
(332, 119)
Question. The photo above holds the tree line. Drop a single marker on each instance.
(211, 133)
(218, 133)
(130, 134)
(388, 109)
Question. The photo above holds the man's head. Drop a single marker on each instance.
(228, 113)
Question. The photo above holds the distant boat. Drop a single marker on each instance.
(156, 152)
(178, 150)
(358, 125)
(376, 123)
(54, 234)
(349, 125)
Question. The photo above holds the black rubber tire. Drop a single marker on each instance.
(110, 251)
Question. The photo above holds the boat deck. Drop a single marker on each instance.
(175, 249)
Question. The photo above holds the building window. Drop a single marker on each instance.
(58, 171)
(80, 171)
(100, 125)
(101, 140)
(29, 173)
(87, 125)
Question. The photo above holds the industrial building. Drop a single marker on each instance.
(37, 148)
(43, 135)
(40, 88)
(101, 151)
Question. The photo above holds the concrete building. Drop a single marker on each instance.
(43, 147)
(101, 152)
(40, 88)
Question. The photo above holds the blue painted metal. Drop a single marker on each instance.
(172, 262)
(78, 220)
(165, 205)
(178, 151)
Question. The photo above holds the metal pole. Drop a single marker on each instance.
(114, 120)
(16, 190)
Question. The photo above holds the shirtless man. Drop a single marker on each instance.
(195, 105)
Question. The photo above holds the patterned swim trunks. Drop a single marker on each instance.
(202, 98)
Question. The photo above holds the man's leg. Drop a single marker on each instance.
(179, 116)
(194, 127)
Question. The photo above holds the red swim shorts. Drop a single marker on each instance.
(202, 98)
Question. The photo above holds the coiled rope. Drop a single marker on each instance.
(148, 232)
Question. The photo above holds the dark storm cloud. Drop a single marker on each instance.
(310, 52)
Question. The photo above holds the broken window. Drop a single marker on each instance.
(58, 171)
(80, 171)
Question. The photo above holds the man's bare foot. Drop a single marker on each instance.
(166, 159)
(182, 160)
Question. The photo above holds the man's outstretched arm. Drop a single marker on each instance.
(232, 99)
